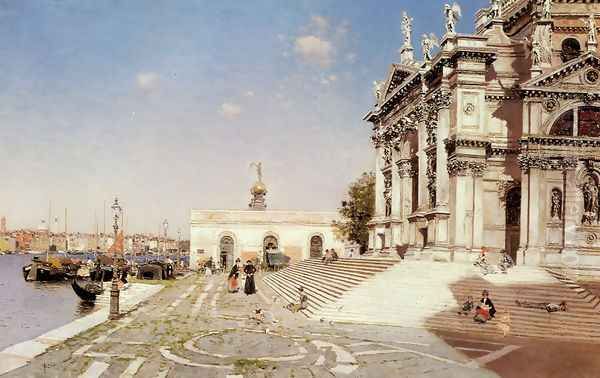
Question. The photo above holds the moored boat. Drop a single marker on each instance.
(87, 290)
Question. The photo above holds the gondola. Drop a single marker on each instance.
(87, 290)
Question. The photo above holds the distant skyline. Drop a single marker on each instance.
(165, 103)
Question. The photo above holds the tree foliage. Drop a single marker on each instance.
(357, 210)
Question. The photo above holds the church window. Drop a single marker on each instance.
(582, 121)
(570, 49)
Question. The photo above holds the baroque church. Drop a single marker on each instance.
(493, 142)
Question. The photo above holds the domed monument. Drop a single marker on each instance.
(258, 190)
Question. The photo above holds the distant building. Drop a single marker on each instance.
(3, 225)
(226, 235)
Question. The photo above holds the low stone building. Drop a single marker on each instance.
(493, 142)
(246, 234)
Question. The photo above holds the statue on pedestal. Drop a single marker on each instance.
(428, 42)
(407, 28)
(377, 89)
(546, 9)
(495, 10)
(452, 15)
(592, 31)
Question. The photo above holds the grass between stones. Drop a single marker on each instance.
(246, 366)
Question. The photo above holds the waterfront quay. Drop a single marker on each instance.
(194, 327)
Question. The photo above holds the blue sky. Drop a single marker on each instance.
(165, 103)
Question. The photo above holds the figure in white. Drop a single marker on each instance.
(592, 32)
(546, 9)
(536, 54)
(406, 28)
(452, 15)
(377, 88)
(428, 42)
(495, 11)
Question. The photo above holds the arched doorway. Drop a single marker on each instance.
(513, 221)
(270, 246)
(316, 246)
(226, 247)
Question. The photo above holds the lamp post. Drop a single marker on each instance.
(179, 246)
(114, 290)
(165, 225)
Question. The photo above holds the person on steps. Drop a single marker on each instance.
(485, 310)
(249, 270)
(302, 302)
(550, 307)
(233, 285)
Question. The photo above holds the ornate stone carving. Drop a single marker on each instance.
(407, 168)
(527, 162)
(431, 178)
(550, 105)
(469, 108)
(407, 29)
(387, 156)
(458, 167)
(387, 194)
(441, 99)
(547, 9)
(591, 76)
(592, 32)
(591, 209)
(377, 90)
(556, 204)
(495, 10)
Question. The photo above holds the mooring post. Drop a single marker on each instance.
(114, 298)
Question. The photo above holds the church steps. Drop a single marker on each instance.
(346, 268)
(342, 276)
(324, 284)
(340, 272)
(314, 284)
(315, 298)
(356, 263)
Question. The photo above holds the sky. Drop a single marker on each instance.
(165, 103)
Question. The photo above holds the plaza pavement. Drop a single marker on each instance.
(194, 328)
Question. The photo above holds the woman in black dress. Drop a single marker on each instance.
(249, 271)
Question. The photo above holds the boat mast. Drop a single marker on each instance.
(49, 230)
(66, 235)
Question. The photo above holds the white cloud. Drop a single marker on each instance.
(332, 77)
(249, 94)
(314, 50)
(230, 110)
(147, 81)
(351, 57)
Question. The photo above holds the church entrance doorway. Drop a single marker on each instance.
(226, 247)
(316, 247)
(513, 221)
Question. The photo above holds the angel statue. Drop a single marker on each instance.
(546, 9)
(377, 88)
(592, 32)
(452, 14)
(495, 11)
(406, 28)
(428, 42)
(258, 166)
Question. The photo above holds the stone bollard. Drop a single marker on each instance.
(114, 298)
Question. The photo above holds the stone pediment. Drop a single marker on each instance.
(580, 75)
(397, 74)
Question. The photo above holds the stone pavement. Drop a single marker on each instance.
(195, 328)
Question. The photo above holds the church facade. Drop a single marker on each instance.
(493, 143)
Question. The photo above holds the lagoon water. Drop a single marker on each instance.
(30, 309)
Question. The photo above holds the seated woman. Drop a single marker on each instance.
(302, 304)
(485, 310)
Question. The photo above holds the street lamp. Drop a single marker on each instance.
(179, 246)
(114, 290)
(165, 225)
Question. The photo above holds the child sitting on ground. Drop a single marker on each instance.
(302, 304)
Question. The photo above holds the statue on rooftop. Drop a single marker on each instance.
(258, 166)
(546, 9)
(428, 42)
(592, 31)
(407, 28)
(452, 15)
(377, 89)
(495, 10)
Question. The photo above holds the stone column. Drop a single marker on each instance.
(478, 212)
(535, 222)
(422, 169)
(406, 171)
(461, 214)
(379, 183)
(571, 211)
(442, 177)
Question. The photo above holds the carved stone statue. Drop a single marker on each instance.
(452, 15)
(590, 202)
(556, 204)
(592, 32)
(387, 194)
(536, 54)
(407, 28)
(428, 42)
(546, 9)
(540, 47)
(377, 89)
(495, 10)
(258, 166)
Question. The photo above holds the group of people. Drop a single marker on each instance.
(484, 310)
(233, 285)
(330, 256)
(506, 262)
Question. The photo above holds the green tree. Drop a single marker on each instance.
(357, 210)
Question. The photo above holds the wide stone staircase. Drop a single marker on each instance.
(429, 294)
(324, 284)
